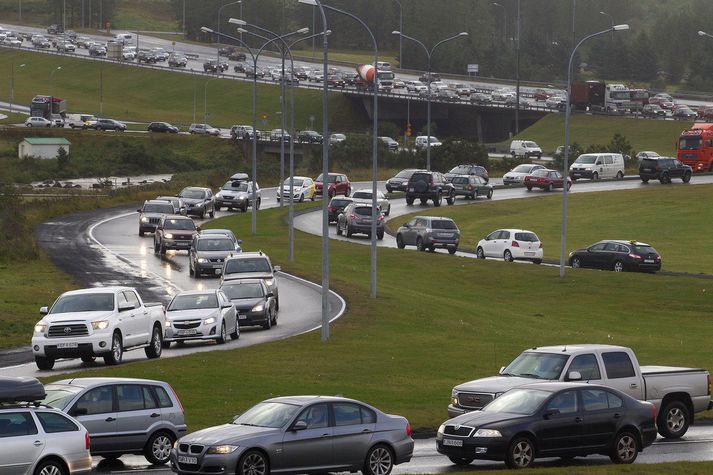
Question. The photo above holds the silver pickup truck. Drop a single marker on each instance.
(677, 393)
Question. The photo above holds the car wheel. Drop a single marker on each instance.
(155, 246)
(490, 194)
(419, 245)
(158, 448)
(235, 334)
(645, 180)
(537, 261)
(314, 196)
(44, 363)
(191, 269)
(380, 235)
(409, 201)
(507, 255)
(549, 187)
(686, 177)
(162, 249)
(117, 352)
(438, 200)
(274, 317)
(674, 420)
(480, 253)
(259, 200)
(569, 186)
(388, 210)
(461, 461)
(625, 448)
(348, 231)
(349, 192)
(619, 175)
(154, 349)
(520, 454)
(339, 229)
(302, 197)
(665, 178)
(244, 207)
(595, 176)
(400, 241)
(576, 263)
(253, 462)
(202, 215)
(223, 334)
(529, 188)
(452, 250)
(212, 213)
(379, 461)
(141, 233)
(50, 467)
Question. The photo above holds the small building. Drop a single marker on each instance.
(42, 147)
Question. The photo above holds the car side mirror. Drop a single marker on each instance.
(235, 417)
(551, 412)
(44, 310)
(407, 225)
(78, 411)
(277, 268)
(574, 376)
(126, 306)
(299, 425)
(198, 228)
(502, 370)
(270, 294)
(138, 210)
(240, 241)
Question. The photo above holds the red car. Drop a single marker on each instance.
(338, 184)
(546, 179)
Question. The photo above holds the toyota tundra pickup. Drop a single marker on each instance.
(677, 393)
(102, 321)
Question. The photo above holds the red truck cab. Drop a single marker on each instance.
(695, 147)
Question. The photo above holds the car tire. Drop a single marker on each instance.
(244, 207)
(212, 213)
(348, 231)
(44, 363)
(409, 201)
(438, 200)
(349, 192)
(419, 245)
(537, 261)
(618, 266)
(686, 177)
(452, 250)
(155, 345)
(595, 176)
(490, 194)
(645, 180)
(117, 352)
(549, 188)
(379, 461)
(625, 448)
(202, 215)
(50, 467)
(619, 175)
(223, 334)
(673, 420)
(162, 249)
(520, 453)
(380, 235)
(141, 233)
(302, 197)
(339, 229)
(400, 241)
(575, 263)
(274, 317)
(451, 199)
(235, 334)
(156, 247)
(529, 188)
(507, 255)
(253, 462)
(388, 210)
(259, 201)
(461, 461)
(480, 254)
(569, 186)
(158, 448)
(664, 178)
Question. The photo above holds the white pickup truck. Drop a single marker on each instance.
(677, 393)
(102, 321)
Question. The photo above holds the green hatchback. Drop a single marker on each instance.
(471, 186)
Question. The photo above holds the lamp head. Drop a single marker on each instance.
(702, 33)
(621, 27)
(237, 21)
(603, 13)
(396, 32)
(205, 29)
(59, 67)
(309, 2)
(242, 30)
(463, 33)
(303, 31)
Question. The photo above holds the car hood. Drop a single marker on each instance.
(58, 318)
(192, 201)
(295, 189)
(247, 275)
(479, 419)
(494, 384)
(231, 434)
(214, 254)
(248, 303)
(236, 194)
(190, 314)
(515, 175)
(397, 180)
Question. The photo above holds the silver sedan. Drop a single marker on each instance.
(299, 434)
(200, 315)
(364, 196)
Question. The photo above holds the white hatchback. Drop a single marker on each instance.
(303, 188)
(511, 244)
(37, 122)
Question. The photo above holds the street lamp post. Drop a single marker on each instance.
(517, 74)
(12, 83)
(428, 85)
(611, 22)
(219, 11)
(568, 110)
(505, 11)
(401, 40)
(50, 80)
(205, 101)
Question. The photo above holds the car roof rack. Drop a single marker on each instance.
(20, 389)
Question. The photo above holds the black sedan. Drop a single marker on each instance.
(254, 302)
(399, 182)
(162, 127)
(551, 420)
(618, 256)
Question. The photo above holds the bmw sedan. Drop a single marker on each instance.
(551, 420)
(200, 315)
(299, 434)
(617, 256)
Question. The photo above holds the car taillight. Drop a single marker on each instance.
(330, 209)
(352, 216)
(658, 258)
(409, 432)
(86, 440)
(635, 256)
(653, 412)
(176, 396)
(381, 217)
(515, 244)
(709, 384)
(470, 187)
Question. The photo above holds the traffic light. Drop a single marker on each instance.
(408, 129)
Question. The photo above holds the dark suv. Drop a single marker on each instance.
(664, 169)
(174, 232)
(468, 169)
(426, 185)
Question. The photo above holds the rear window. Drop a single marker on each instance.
(540, 172)
(363, 211)
(361, 195)
(649, 162)
(421, 177)
(459, 180)
(528, 237)
(618, 365)
(443, 224)
(250, 264)
(645, 250)
(461, 170)
(340, 202)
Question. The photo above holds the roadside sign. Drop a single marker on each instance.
(473, 69)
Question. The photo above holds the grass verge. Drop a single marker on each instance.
(438, 321)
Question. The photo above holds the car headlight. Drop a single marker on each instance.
(144, 219)
(202, 260)
(209, 320)
(222, 449)
(100, 324)
(167, 324)
(168, 236)
(487, 433)
(270, 282)
(258, 308)
(40, 327)
(441, 429)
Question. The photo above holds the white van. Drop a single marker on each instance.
(123, 38)
(525, 148)
(383, 66)
(598, 165)
(422, 142)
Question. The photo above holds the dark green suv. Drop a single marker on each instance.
(664, 169)
(426, 185)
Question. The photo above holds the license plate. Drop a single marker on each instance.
(529, 253)
(242, 317)
(188, 460)
(67, 345)
(187, 332)
(649, 261)
(453, 442)
(444, 234)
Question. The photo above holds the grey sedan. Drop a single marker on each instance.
(299, 434)
(254, 303)
(364, 196)
(200, 315)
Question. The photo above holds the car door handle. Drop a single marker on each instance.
(110, 419)
(155, 414)
(325, 435)
(366, 431)
(617, 416)
(578, 419)
(37, 443)
(633, 385)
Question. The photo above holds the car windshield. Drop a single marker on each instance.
(295, 181)
(443, 224)
(268, 414)
(249, 264)
(58, 395)
(84, 303)
(522, 169)
(215, 245)
(361, 195)
(180, 224)
(404, 174)
(193, 302)
(586, 159)
(243, 291)
(537, 365)
(236, 186)
(518, 401)
(540, 172)
(193, 194)
(689, 143)
(460, 180)
(527, 237)
(158, 208)
(330, 178)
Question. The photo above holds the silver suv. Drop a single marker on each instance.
(122, 415)
(150, 214)
(429, 232)
(38, 439)
(252, 265)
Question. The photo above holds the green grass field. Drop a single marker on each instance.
(139, 94)
(657, 135)
(438, 321)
